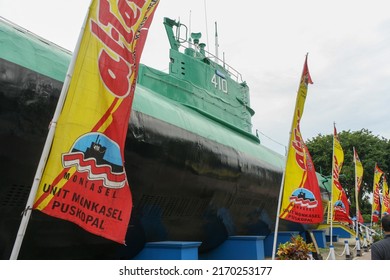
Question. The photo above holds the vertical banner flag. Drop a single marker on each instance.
(339, 197)
(358, 182)
(385, 198)
(376, 205)
(84, 180)
(301, 193)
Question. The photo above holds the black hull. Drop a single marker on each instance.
(185, 187)
(182, 190)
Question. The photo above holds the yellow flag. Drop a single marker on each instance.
(301, 201)
(385, 198)
(358, 182)
(84, 180)
(376, 205)
(340, 206)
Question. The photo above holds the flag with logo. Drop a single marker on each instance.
(339, 197)
(385, 210)
(84, 180)
(376, 205)
(301, 201)
(358, 182)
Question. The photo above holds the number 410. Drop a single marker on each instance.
(219, 83)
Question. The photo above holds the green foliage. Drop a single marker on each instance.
(378, 229)
(371, 149)
(367, 217)
(296, 249)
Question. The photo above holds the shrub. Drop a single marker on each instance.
(379, 234)
(296, 249)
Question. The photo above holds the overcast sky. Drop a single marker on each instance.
(266, 41)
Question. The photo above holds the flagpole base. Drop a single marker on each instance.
(348, 255)
(365, 245)
(332, 255)
(358, 251)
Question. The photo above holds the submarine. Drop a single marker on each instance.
(195, 169)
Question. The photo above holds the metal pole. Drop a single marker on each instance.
(331, 247)
(278, 210)
(216, 43)
(373, 189)
(46, 150)
(331, 194)
(357, 208)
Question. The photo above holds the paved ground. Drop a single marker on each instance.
(340, 250)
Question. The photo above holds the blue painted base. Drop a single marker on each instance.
(283, 237)
(238, 248)
(319, 236)
(341, 232)
(335, 238)
(169, 250)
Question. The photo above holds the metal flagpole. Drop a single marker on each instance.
(46, 149)
(281, 188)
(279, 204)
(373, 189)
(357, 208)
(331, 248)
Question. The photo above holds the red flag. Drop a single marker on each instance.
(360, 219)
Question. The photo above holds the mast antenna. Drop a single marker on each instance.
(207, 32)
(216, 43)
(190, 38)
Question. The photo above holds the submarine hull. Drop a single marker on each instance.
(191, 177)
(184, 186)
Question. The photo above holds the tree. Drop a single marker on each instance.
(371, 149)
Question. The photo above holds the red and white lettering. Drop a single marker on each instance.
(116, 59)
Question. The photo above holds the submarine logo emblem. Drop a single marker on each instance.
(100, 157)
(340, 206)
(304, 198)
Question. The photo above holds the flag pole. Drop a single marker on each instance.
(357, 245)
(284, 172)
(331, 248)
(373, 189)
(356, 195)
(279, 204)
(46, 150)
(281, 190)
(356, 184)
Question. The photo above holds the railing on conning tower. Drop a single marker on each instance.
(199, 50)
(234, 74)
